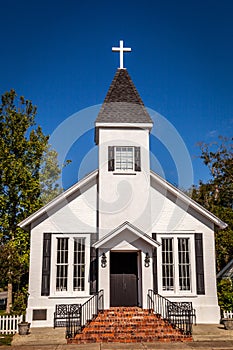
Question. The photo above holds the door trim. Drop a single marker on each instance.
(138, 274)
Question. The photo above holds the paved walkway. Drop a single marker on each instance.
(209, 337)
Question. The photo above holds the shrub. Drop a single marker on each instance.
(225, 294)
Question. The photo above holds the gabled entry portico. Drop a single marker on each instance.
(124, 276)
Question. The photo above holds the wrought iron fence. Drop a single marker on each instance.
(179, 315)
(87, 312)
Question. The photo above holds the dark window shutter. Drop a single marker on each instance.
(154, 262)
(199, 264)
(93, 266)
(137, 157)
(46, 262)
(110, 158)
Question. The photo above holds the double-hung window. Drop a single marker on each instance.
(176, 264)
(167, 264)
(184, 264)
(124, 158)
(70, 264)
(62, 264)
(79, 264)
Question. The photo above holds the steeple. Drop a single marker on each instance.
(123, 105)
(122, 134)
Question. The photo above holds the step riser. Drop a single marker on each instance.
(127, 340)
(128, 325)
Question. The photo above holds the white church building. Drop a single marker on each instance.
(122, 229)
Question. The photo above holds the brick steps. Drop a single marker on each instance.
(128, 325)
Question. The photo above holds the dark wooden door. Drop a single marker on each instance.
(123, 279)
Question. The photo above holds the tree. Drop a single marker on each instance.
(14, 266)
(28, 178)
(217, 194)
(49, 174)
(218, 157)
(225, 294)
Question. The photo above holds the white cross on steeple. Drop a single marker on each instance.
(121, 49)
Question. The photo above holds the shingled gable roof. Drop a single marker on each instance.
(123, 103)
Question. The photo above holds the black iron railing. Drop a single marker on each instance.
(179, 315)
(62, 311)
(87, 312)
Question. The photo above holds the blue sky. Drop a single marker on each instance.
(58, 54)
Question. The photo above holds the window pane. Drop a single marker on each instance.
(124, 158)
(79, 264)
(62, 264)
(167, 264)
(184, 264)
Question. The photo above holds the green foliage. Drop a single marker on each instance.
(6, 339)
(20, 301)
(13, 262)
(224, 238)
(20, 155)
(49, 175)
(28, 165)
(29, 172)
(217, 196)
(218, 157)
(225, 294)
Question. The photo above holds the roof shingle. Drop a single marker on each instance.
(123, 103)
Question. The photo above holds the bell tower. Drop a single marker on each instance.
(122, 133)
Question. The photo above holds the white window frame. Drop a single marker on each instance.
(63, 262)
(169, 263)
(115, 159)
(184, 265)
(176, 290)
(79, 264)
(70, 290)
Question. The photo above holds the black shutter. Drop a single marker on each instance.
(93, 266)
(45, 283)
(137, 156)
(199, 264)
(110, 158)
(154, 262)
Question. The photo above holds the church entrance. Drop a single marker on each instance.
(124, 279)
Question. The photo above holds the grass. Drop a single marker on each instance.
(5, 339)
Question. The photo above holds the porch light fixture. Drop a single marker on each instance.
(147, 260)
(103, 260)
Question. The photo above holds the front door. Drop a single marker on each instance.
(123, 279)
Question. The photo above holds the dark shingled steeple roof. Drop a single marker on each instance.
(123, 103)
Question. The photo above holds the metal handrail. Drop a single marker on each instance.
(87, 312)
(179, 317)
